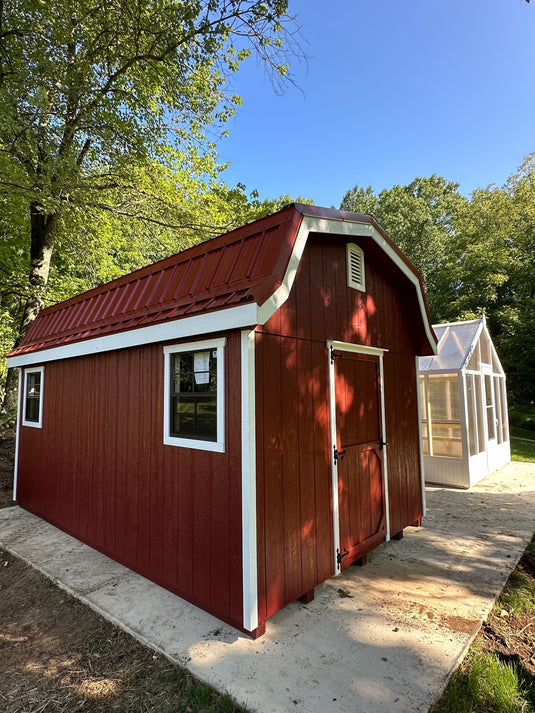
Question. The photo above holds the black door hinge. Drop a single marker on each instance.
(339, 556)
(337, 454)
(334, 354)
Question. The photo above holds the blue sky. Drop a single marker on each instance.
(392, 90)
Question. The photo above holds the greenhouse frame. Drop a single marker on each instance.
(463, 406)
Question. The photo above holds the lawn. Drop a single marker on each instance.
(498, 674)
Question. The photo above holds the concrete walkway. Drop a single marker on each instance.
(384, 637)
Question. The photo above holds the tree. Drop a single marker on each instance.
(420, 217)
(494, 269)
(92, 90)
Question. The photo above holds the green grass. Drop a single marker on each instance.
(523, 416)
(522, 451)
(484, 684)
(498, 681)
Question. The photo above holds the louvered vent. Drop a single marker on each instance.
(355, 267)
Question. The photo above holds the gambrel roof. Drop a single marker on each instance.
(236, 280)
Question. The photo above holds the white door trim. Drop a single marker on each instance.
(355, 349)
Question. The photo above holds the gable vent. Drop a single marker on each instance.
(355, 267)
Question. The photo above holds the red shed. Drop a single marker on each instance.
(237, 422)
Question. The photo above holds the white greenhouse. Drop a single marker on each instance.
(465, 430)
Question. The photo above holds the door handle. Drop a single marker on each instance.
(338, 454)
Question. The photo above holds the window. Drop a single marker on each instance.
(355, 267)
(194, 395)
(33, 397)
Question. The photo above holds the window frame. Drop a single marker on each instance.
(25, 421)
(218, 445)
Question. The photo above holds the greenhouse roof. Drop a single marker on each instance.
(455, 344)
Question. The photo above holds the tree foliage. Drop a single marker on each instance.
(95, 95)
(476, 256)
(420, 217)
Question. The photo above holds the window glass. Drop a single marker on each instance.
(491, 419)
(472, 415)
(33, 395)
(194, 394)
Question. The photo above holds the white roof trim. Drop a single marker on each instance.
(334, 226)
(231, 318)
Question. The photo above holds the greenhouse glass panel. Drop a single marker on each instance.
(472, 417)
(444, 416)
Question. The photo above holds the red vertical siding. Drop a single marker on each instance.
(171, 513)
(293, 421)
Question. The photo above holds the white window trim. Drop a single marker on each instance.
(218, 445)
(33, 370)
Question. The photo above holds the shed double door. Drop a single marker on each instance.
(358, 455)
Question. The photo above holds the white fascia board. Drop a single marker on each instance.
(333, 226)
(221, 320)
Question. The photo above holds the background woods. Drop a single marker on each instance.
(475, 255)
(110, 115)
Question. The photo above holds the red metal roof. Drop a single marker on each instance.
(247, 264)
(243, 266)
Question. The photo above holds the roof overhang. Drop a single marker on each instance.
(251, 314)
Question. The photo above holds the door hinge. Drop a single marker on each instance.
(337, 454)
(334, 354)
(382, 444)
(339, 556)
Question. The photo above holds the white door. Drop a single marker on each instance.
(491, 422)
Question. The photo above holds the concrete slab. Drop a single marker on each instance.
(384, 637)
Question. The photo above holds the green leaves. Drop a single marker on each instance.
(475, 256)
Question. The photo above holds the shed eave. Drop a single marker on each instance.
(210, 322)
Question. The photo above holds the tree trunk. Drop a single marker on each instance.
(43, 235)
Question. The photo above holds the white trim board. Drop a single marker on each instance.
(222, 320)
(354, 349)
(333, 226)
(199, 444)
(17, 436)
(248, 436)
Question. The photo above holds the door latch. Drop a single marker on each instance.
(338, 454)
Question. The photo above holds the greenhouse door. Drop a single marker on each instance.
(359, 459)
(490, 420)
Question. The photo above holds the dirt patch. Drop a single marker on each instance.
(59, 656)
(7, 457)
(511, 636)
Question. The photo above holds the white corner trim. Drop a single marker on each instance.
(248, 435)
(33, 370)
(332, 226)
(17, 436)
(218, 445)
(221, 320)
